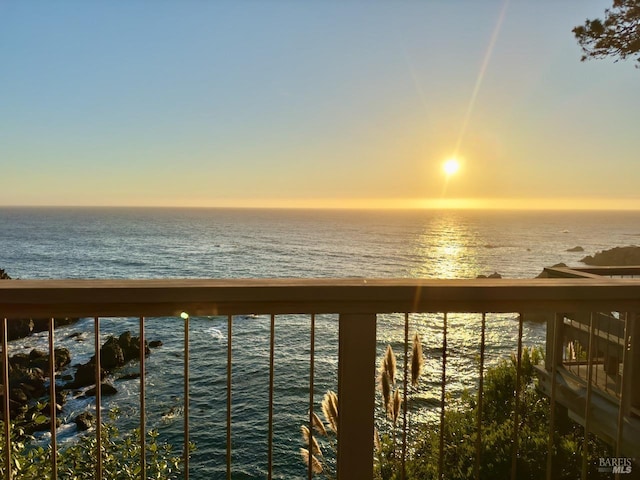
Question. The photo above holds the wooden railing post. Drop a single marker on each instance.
(356, 396)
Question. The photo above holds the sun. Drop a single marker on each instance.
(451, 166)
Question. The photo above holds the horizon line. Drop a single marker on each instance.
(519, 204)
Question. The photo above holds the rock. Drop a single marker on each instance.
(577, 248)
(28, 374)
(61, 397)
(23, 327)
(131, 346)
(106, 389)
(617, 256)
(129, 376)
(124, 340)
(84, 421)
(18, 395)
(36, 354)
(115, 353)
(30, 380)
(19, 360)
(4, 275)
(19, 328)
(493, 275)
(155, 343)
(111, 354)
(32, 390)
(62, 358)
(42, 324)
(85, 376)
(28, 383)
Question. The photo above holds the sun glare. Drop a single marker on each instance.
(451, 167)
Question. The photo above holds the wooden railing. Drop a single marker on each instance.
(356, 301)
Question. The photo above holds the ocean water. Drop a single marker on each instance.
(228, 243)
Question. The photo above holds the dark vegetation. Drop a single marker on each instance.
(121, 454)
(498, 416)
(617, 256)
(461, 433)
(617, 35)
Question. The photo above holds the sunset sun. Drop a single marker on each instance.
(451, 167)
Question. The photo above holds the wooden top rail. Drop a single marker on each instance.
(590, 272)
(169, 297)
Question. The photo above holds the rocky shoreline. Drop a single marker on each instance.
(617, 256)
(29, 377)
(29, 373)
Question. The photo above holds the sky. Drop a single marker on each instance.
(279, 103)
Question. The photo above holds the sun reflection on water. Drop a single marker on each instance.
(463, 352)
(443, 250)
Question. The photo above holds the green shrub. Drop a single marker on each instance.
(121, 454)
(460, 433)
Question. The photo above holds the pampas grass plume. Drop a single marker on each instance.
(316, 466)
(330, 409)
(315, 447)
(385, 387)
(389, 364)
(417, 360)
(318, 425)
(396, 405)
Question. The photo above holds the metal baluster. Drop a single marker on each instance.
(187, 442)
(143, 426)
(229, 358)
(271, 373)
(587, 407)
(5, 403)
(596, 346)
(98, 378)
(516, 419)
(442, 397)
(577, 354)
(607, 359)
(404, 399)
(552, 402)
(312, 348)
(53, 402)
(480, 399)
(625, 369)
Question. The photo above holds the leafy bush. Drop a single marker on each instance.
(121, 453)
(460, 433)
(460, 430)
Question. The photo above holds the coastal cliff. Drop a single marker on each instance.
(617, 256)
